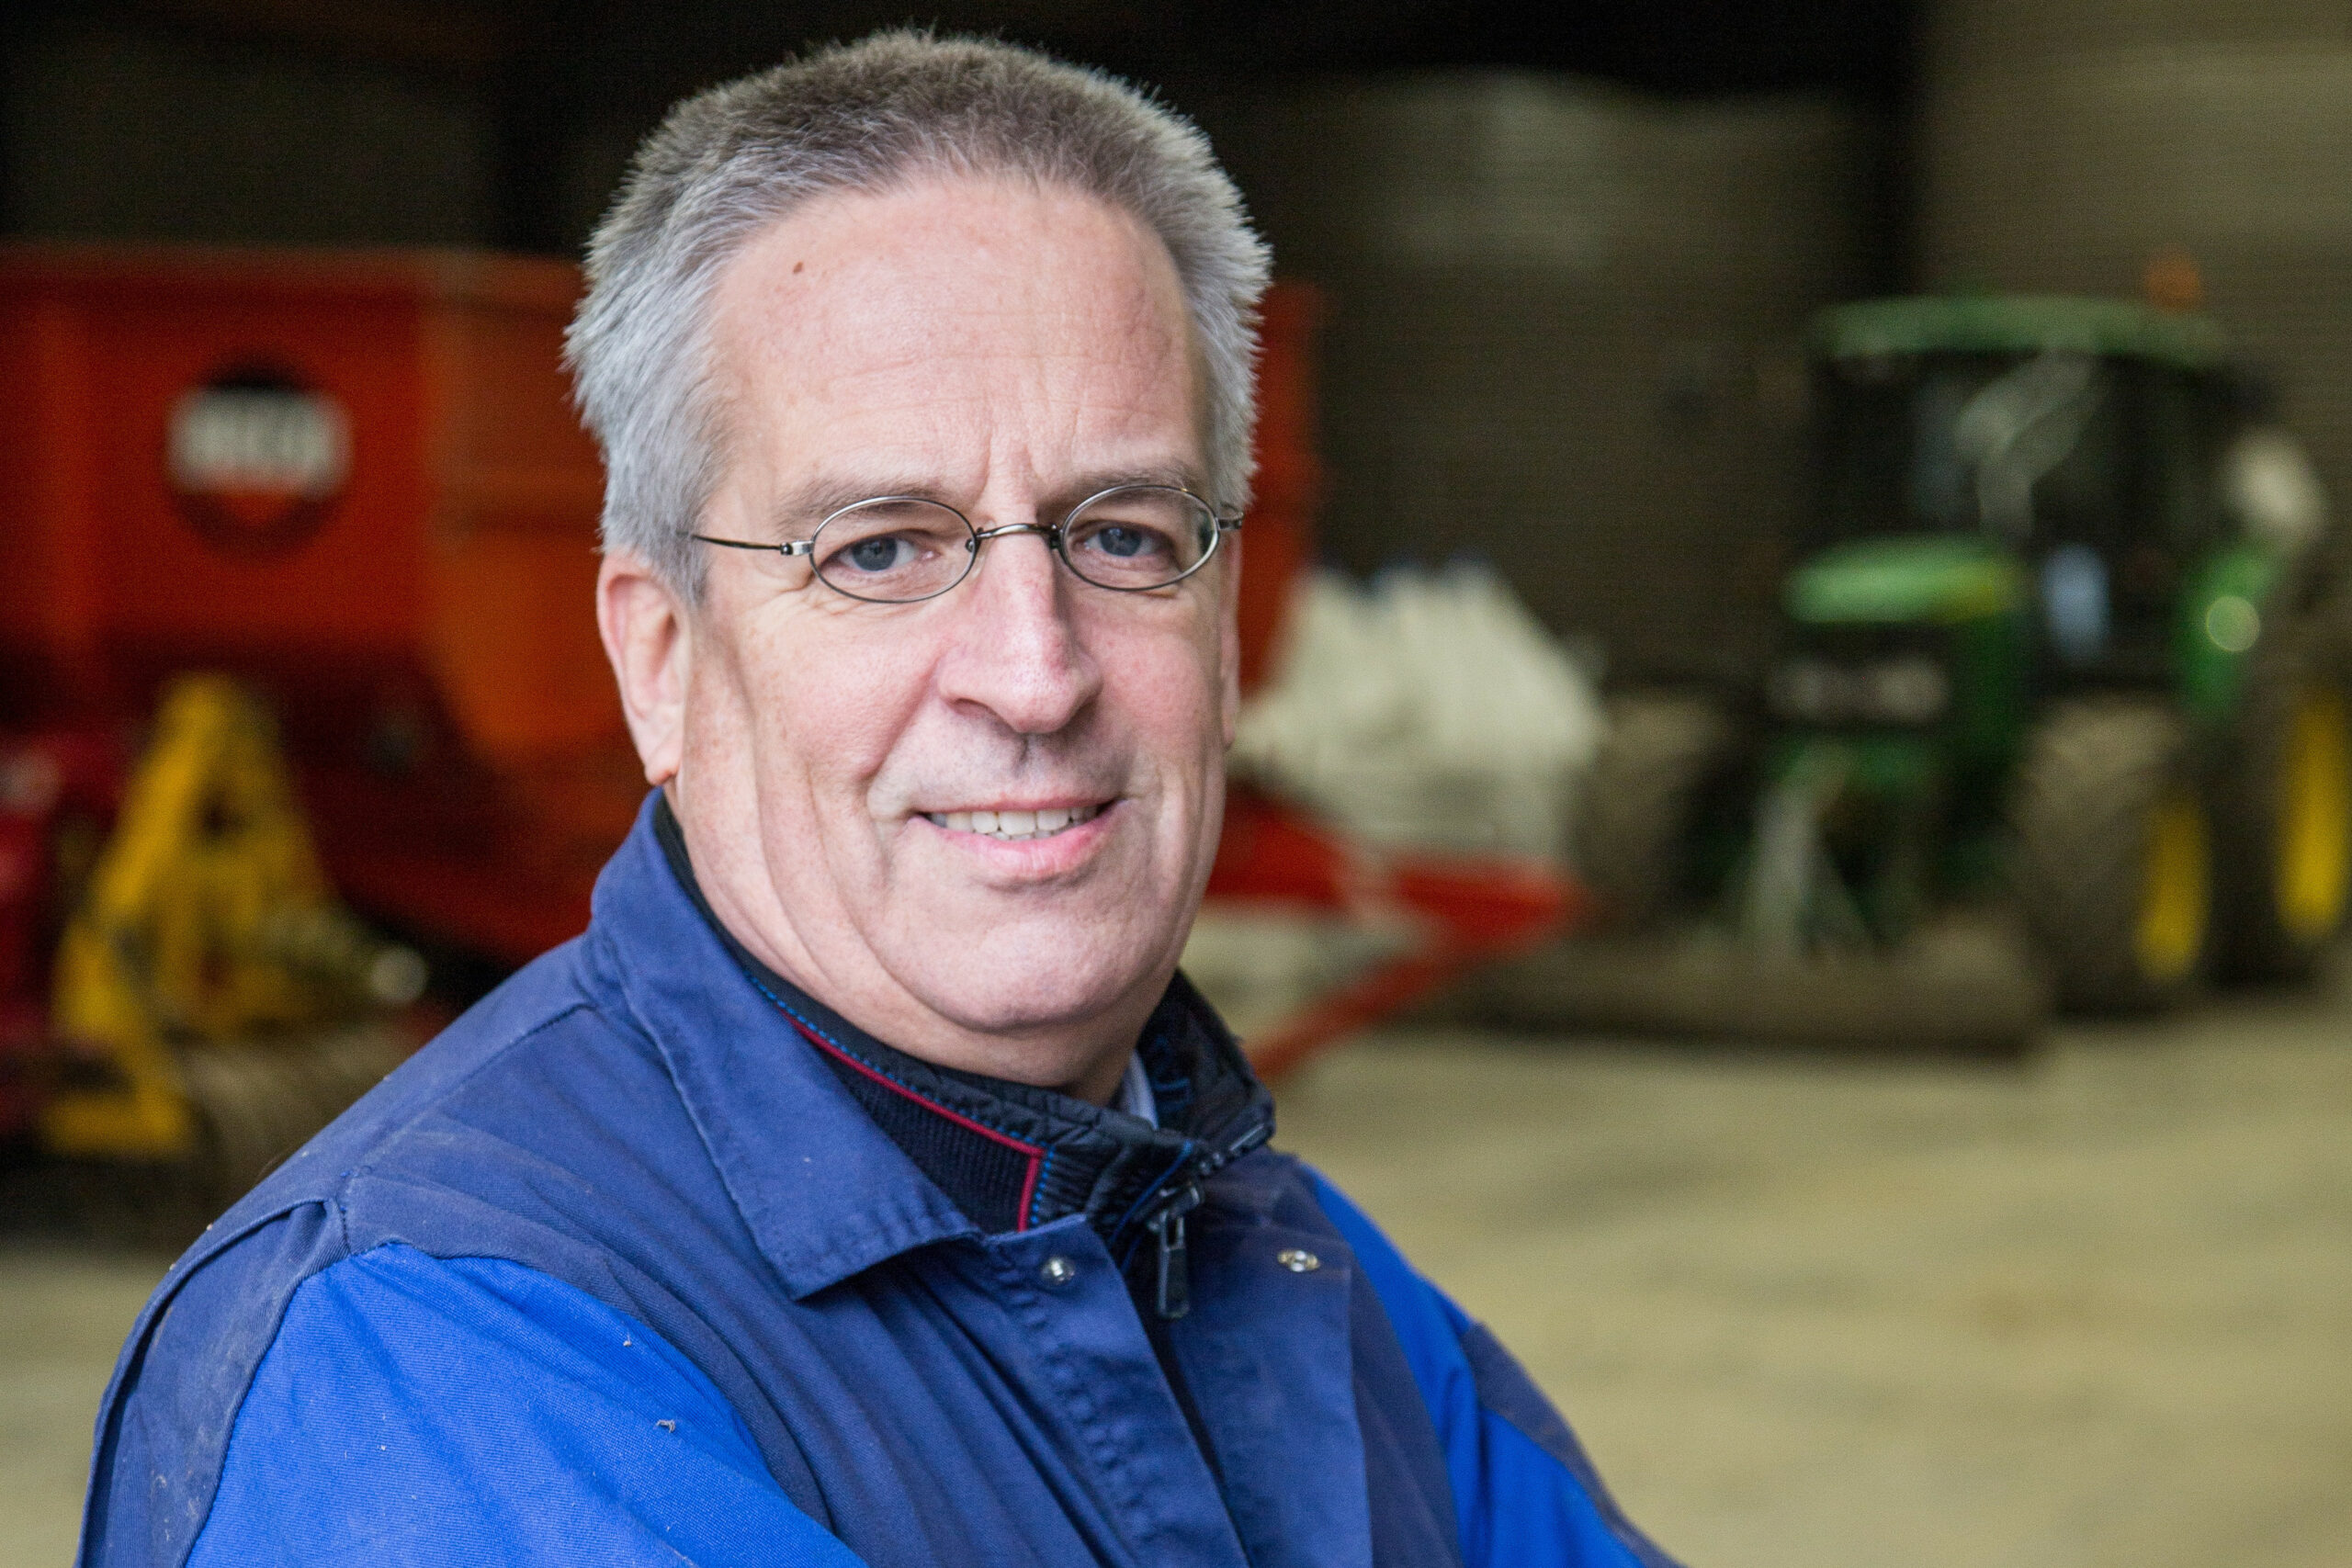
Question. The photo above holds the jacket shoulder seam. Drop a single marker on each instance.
(367, 1167)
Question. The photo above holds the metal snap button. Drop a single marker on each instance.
(1298, 1260)
(1057, 1271)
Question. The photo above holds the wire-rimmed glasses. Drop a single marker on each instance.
(902, 550)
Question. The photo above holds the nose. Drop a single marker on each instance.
(1019, 654)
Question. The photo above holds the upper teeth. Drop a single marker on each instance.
(1012, 825)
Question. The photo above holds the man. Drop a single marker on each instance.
(866, 1186)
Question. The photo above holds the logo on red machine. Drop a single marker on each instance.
(257, 459)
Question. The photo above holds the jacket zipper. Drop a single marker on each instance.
(1172, 1295)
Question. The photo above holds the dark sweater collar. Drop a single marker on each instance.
(1011, 1155)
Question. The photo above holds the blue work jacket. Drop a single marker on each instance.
(620, 1269)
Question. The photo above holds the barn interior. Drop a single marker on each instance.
(1885, 1134)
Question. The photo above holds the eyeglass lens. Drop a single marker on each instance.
(1142, 536)
(897, 550)
(893, 551)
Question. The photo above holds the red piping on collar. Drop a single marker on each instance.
(1036, 1155)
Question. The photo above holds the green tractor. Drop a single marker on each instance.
(2065, 645)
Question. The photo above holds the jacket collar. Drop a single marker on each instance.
(798, 1108)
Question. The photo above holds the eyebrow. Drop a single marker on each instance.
(813, 499)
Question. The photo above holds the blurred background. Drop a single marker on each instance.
(1795, 811)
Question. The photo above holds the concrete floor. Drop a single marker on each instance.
(65, 1309)
(2094, 1309)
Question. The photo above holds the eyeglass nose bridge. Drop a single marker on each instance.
(1049, 531)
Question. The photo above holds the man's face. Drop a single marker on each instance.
(1009, 351)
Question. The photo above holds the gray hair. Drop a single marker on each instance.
(872, 115)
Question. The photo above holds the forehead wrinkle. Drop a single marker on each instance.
(895, 365)
(1088, 431)
(822, 494)
(930, 312)
(873, 366)
(950, 313)
(895, 382)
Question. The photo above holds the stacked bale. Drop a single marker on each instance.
(1563, 332)
(2065, 142)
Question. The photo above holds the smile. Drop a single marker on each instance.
(1012, 826)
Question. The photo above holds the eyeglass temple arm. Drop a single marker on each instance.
(789, 548)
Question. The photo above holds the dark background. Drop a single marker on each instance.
(561, 86)
(1567, 254)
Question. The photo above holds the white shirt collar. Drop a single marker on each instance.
(1134, 1095)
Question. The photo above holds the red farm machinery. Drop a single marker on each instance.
(302, 697)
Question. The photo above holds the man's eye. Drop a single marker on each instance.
(893, 550)
(878, 554)
(1139, 536)
(1124, 543)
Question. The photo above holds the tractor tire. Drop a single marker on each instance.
(1630, 838)
(2282, 814)
(2113, 870)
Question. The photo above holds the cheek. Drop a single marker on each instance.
(815, 713)
(1171, 689)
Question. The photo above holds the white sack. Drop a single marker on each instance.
(1428, 710)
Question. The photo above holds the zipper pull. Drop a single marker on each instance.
(1174, 1296)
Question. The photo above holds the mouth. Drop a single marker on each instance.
(1016, 826)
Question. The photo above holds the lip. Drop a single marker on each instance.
(1032, 859)
(1040, 803)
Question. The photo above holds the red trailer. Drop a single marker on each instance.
(356, 483)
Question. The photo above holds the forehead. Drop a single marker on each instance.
(958, 322)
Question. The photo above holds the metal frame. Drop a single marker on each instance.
(1054, 535)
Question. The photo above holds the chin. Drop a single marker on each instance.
(1023, 998)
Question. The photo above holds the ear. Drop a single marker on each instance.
(1229, 640)
(649, 638)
